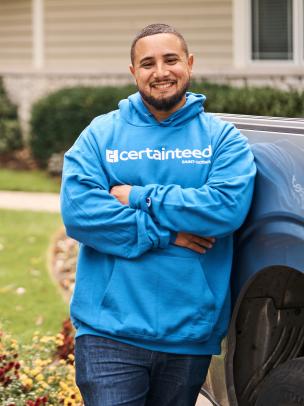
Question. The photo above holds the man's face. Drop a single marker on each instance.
(162, 71)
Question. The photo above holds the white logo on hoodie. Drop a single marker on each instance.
(187, 155)
(112, 156)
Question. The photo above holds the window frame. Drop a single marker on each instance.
(243, 37)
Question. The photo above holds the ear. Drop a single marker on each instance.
(132, 70)
(190, 62)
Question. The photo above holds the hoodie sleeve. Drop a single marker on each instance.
(220, 205)
(94, 217)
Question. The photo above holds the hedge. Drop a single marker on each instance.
(59, 118)
(263, 101)
(10, 133)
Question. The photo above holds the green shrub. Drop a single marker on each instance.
(10, 133)
(58, 119)
(262, 101)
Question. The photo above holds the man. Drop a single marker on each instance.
(153, 192)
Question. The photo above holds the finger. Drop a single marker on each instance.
(196, 248)
(193, 237)
(211, 239)
(202, 241)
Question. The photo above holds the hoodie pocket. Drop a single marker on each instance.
(158, 296)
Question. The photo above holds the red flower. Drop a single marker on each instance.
(67, 348)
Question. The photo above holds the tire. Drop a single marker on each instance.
(284, 386)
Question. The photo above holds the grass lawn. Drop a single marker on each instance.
(29, 299)
(28, 181)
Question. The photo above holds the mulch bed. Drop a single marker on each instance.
(63, 262)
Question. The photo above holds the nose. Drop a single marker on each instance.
(160, 71)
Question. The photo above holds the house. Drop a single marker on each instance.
(48, 44)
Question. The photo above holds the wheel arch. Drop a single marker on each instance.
(266, 329)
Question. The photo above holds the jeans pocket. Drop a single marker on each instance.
(158, 296)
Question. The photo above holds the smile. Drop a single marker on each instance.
(162, 85)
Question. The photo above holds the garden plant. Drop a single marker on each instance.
(10, 132)
(40, 373)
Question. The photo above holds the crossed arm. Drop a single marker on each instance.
(117, 220)
(186, 240)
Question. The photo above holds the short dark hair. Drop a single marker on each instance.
(154, 29)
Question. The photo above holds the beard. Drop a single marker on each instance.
(165, 103)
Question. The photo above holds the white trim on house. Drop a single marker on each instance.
(298, 31)
(242, 32)
(241, 42)
(38, 33)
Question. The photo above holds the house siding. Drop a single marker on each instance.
(95, 35)
(15, 34)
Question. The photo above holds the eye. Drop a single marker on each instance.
(146, 65)
(171, 61)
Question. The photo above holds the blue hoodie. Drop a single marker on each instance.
(191, 172)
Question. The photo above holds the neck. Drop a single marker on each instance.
(161, 115)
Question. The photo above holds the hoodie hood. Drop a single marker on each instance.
(135, 112)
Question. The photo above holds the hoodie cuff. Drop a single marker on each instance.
(137, 198)
(173, 236)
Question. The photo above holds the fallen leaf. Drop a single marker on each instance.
(20, 291)
(39, 321)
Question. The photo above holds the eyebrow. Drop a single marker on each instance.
(149, 58)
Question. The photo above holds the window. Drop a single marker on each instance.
(272, 29)
(268, 33)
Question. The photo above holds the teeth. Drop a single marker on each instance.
(162, 85)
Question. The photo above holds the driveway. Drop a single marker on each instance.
(30, 201)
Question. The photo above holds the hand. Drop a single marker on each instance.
(194, 242)
(121, 192)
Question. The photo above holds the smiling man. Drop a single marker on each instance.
(153, 192)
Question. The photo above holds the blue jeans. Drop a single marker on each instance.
(111, 373)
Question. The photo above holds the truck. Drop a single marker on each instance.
(262, 362)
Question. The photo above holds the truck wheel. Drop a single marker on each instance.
(284, 386)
